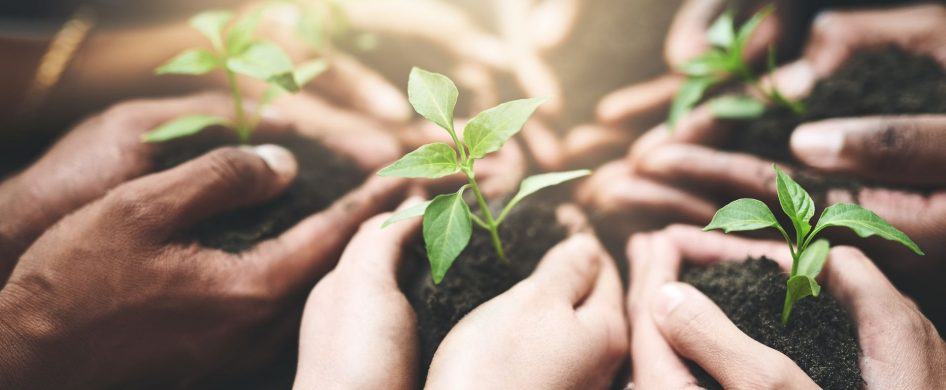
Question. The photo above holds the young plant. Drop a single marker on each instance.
(724, 62)
(808, 254)
(235, 50)
(448, 220)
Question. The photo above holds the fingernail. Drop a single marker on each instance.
(794, 80)
(818, 145)
(669, 297)
(278, 159)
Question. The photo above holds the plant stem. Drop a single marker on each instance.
(491, 224)
(243, 131)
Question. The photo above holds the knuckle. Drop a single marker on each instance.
(132, 206)
(891, 144)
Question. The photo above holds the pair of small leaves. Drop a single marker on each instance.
(447, 219)
(752, 214)
(434, 96)
(242, 54)
(716, 65)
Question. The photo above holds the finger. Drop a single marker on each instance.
(568, 272)
(685, 40)
(836, 35)
(551, 21)
(700, 126)
(589, 145)
(376, 251)
(905, 149)
(635, 101)
(698, 330)
(304, 253)
(706, 248)
(534, 75)
(708, 169)
(346, 132)
(222, 180)
(443, 24)
(603, 315)
(653, 262)
(356, 86)
(794, 80)
(544, 146)
(615, 190)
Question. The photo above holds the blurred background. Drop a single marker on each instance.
(589, 47)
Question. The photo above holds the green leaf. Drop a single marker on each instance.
(408, 213)
(182, 127)
(194, 62)
(265, 61)
(447, 231)
(240, 36)
(813, 258)
(742, 215)
(863, 222)
(490, 129)
(311, 27)
(795, 201)
(713, 62)
(434, 96)
(429, 161)
(799, 286)
(211, 24)
(535, 183)
(723, 31)
(310, 70)
(737, 107)
(687, 96)
(746, 30)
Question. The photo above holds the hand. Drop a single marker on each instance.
(560, 328)
(99, 154)
(664, 328)
(111, 281)
(358, 329)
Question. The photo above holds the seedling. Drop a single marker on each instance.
(724, 62)
(808, 255)
(236, 50)
(448, 220)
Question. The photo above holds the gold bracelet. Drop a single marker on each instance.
(60, 53)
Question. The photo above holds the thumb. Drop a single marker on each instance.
(699, 331)
(898, 149)
(219, 181)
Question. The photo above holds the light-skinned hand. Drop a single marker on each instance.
(560, 328)
(672, 321)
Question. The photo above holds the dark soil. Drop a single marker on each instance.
(886, 80)
(477, 275)
(820, 337)
(323, 177)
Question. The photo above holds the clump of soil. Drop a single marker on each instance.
(478, 275)
(886, 80)
(323, 178)
(820, 337)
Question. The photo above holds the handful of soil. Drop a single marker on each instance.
(820, 337)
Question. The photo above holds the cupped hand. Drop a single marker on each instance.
(672, 321)
(358, 329)
(112, 280)
(99, 154)
(560, 328)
